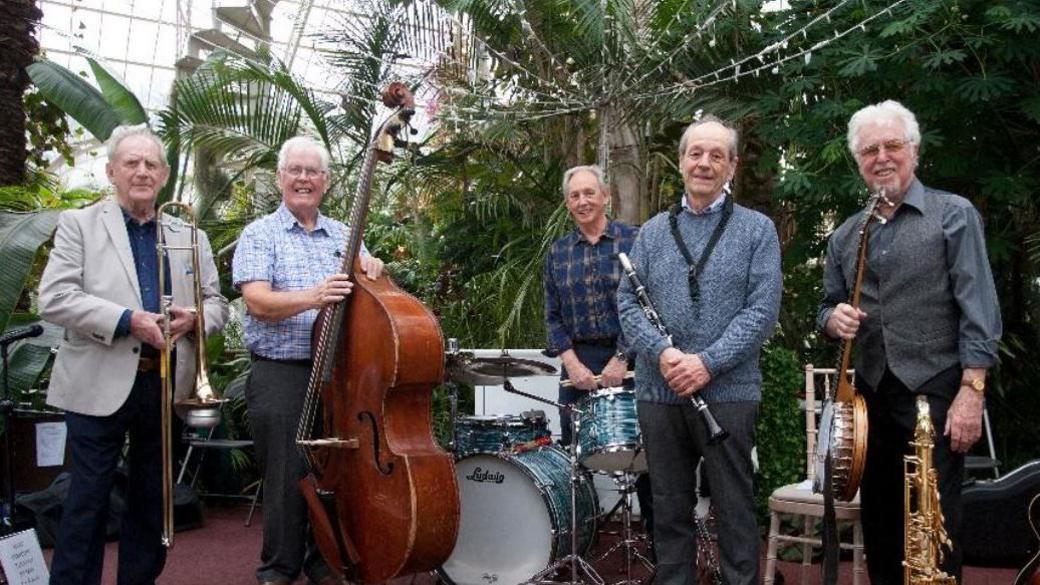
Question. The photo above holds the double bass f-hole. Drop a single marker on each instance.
(389, 468)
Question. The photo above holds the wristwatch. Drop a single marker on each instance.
(976, 384)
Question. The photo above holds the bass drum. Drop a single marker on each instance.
(516, 516)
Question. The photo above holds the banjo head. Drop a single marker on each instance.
(843, 434)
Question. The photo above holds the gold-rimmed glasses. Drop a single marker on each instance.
(890, 146)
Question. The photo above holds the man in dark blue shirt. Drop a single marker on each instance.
(101, 284)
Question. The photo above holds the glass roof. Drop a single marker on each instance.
(142, 40)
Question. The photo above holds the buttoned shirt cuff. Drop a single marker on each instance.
(123, 326)
(558, 341)
(821, 320)
(978, 354)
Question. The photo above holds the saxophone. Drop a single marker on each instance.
(925, 531)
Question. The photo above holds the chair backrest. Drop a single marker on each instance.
(819, 383)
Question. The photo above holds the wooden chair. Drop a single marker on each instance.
(798, 499)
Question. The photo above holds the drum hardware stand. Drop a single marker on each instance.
(625, 482)
(573, 560)
(452, 350)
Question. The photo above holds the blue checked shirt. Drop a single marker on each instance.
(278, 250)
(581, 282)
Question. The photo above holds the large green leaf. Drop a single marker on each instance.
(21, 234)
(28, 358)
(76, 97)
(115, 92)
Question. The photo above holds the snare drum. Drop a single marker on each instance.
(516, 516)
(609, 437)
(493, 433)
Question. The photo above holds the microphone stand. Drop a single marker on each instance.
(573, 559)
(9, 524)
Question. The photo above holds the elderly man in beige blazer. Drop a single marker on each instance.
(101, 284)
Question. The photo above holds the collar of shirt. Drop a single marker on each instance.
(131, 222)
(610, 232)
(287, 221)
(915, 196)
(713, 208)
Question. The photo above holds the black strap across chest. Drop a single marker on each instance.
(695, 268)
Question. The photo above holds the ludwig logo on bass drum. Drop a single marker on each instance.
(484, 476)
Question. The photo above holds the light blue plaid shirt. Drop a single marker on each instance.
(278, 250)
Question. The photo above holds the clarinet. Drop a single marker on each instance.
(716, 434)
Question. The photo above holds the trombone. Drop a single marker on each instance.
(202, 408)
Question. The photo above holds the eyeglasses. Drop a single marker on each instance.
(890, 146)
(304, 171)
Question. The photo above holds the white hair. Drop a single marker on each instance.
(594, 169)
(297, 143)
(885, 113)
(121, 133)
(710, 119)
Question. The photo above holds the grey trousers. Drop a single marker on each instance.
(675, 440)
(274, 395)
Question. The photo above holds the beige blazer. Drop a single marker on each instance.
(90, 279)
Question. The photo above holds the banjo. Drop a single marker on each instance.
(843, 419)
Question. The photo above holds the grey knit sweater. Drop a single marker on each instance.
(740, 290)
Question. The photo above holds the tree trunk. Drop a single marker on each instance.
(625, 169)
(17, 49)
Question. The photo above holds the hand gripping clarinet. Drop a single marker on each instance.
(716, 434)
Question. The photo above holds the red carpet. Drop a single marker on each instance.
(225, 552)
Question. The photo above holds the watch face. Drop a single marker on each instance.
(978, 384)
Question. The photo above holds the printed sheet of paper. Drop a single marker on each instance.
(50, 444)
(22, 559)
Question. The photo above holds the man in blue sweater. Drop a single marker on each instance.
(720, 303)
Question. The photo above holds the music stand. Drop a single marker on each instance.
(9, 523)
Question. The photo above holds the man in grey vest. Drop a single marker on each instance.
(719, 315)
(928, 323)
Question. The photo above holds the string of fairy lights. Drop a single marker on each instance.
(522, 94)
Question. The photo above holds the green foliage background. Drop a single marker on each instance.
(464, 220)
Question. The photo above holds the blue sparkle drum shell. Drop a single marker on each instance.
(609, 438)
(494, 433)
(516, 516)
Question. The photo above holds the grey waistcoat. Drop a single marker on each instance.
(913, 317)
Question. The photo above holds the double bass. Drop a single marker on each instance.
(382, 495)
(1030, 574)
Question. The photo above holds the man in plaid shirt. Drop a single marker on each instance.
(581, 279)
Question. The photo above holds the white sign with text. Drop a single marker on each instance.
(22, 559)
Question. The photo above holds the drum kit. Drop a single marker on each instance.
(529, 509)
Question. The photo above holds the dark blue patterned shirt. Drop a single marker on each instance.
(581, 281)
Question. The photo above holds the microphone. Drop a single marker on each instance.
(23, 333)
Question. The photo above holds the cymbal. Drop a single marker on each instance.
(492, 371)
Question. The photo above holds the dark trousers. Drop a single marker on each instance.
(595, 358)
(274, 395)
(96, 443)
(892, 415)
(675, 441)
